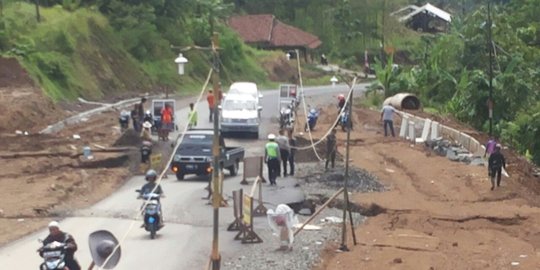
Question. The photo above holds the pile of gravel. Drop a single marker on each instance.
(308, 245)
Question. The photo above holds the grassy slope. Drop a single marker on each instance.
(77, 54)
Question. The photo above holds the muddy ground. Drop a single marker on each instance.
(434, 213)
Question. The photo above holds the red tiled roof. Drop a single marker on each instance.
(265, 28)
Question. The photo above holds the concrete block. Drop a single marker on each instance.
(412, 132)
(425, 131)
(434, 130)
(404, 125)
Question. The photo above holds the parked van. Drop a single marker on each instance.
(240, 113)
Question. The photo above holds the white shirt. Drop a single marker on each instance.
(388, 112)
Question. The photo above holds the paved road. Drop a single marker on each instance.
(185, 241)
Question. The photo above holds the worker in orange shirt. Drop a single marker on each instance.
(211, 104)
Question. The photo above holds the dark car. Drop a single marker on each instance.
(194, 155)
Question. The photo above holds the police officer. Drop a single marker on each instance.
(272, 158)
(495, 164)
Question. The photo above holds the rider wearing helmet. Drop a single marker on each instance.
(150, 187)
(151, 177)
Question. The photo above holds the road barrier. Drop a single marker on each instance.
(432, 129)
(253, 167)
(244, 213)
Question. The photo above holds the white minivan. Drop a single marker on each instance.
(246, 88)
(240, 113)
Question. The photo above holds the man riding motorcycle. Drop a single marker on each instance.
(55, 234)
(150, 187)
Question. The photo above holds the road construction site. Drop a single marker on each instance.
(413, 208)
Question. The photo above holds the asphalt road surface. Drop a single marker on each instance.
(185, 241)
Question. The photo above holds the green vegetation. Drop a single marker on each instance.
(77, 51)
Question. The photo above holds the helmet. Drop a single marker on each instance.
(498, 146)
(271, 136)
(151, 174)
(313, 111)
(54, 224)
(341, 97)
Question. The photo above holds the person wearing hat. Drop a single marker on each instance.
(146, 134)
(55, 234)
(272, 158)
(495, 164)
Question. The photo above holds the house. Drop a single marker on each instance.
(427, 18)
(264, 31)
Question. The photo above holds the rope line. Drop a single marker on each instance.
(312, 145)
(160, 177)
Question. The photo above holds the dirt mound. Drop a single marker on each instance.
(129, 138)
(24, 107)
(12, 74)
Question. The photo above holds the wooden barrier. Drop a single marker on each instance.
(253, 167)
(237, 207)
(246, 234)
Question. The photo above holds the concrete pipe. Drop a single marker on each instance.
(404, 101)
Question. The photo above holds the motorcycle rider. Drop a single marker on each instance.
(152, 187)
(312, 117)
(55, 234)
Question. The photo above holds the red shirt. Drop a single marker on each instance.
(210, 98)
(166, 115)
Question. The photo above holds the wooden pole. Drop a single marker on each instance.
(318, 211)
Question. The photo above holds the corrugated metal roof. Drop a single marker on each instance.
(427, 8)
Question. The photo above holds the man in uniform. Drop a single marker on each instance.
(272, 158)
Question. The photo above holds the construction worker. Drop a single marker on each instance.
(331, 149)
(211, 103)
(272, 158)
(495, 164)
(284, 150)
(192, 116)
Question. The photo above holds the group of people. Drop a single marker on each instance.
(279, 151)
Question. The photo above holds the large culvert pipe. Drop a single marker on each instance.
(404, 101)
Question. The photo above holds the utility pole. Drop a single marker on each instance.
(490, 48)
(343, 246)
(216, 189)
(383, 55)
(38, 16)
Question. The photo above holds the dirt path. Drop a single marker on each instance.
(436, 214)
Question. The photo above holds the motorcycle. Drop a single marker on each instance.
(151, 213)
(54, 255)
(148, 117)
(124, 120)
(312, 117)
(286, 118)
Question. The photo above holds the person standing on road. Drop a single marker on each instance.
(331, 149)
(192, 116)
(292, 144)
(166, 122)
(284, 150)
(140, 113)
(211, 104)
(272, 158)
(490, 146)
(55, 234)
(387, 116)
(495, 164)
